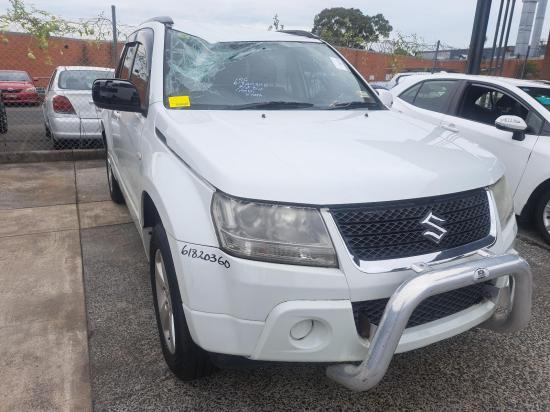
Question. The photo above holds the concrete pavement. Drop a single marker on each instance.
(44, 363)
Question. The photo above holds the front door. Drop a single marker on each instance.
(479, 107)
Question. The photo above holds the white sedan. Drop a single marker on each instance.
(509, 117)
(69, 111)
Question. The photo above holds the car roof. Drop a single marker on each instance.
(60, 68)
(503, 81)
(235, 33)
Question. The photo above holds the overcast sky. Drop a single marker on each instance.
(447, 20)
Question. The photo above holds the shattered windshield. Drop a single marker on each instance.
(259, 75)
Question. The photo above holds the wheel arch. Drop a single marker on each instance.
(173, 196)
(529, 208)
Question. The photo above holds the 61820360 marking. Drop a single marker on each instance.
(195, 253)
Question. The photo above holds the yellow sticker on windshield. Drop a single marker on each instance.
(179, 101)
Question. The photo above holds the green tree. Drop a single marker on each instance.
(350, 27)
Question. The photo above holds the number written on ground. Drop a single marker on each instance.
(195, 253)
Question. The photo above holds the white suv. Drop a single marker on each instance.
(509, 117)
(288, 215)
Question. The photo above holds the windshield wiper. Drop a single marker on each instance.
(352, 105)
(274, 105)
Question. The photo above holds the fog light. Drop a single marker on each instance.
(300, 330)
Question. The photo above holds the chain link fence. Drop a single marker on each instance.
(46, 98)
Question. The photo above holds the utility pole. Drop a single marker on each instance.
(435, 55)
(497, 30)
(479, 33)
(525, 61)
(115, 39)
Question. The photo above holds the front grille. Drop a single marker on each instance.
(433, 308)
(393, 230)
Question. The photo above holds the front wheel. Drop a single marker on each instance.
(542, 216)
(185, 358)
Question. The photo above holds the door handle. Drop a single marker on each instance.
(450, 127)
(138, 155)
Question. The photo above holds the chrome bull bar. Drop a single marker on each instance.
(512, 317)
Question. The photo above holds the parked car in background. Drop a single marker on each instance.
(69, 111)
(288, 215)
(509, 117)
(17, 88)
(3, 116)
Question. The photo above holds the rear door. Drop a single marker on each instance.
(427, 100)
(477, 108)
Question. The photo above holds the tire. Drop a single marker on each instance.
(184, 358)
(114, 187)
(541, 217)
(3, 124)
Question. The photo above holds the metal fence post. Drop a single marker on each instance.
(115, 39)
(435, 55)
(479, 31)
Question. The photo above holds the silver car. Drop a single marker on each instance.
(69, 111)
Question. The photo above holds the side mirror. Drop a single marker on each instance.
(514, 124)
(386, 97)
(36, 79)
(116, 94)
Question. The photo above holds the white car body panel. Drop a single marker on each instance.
(247, 309)
(343, 165)
(527, 162)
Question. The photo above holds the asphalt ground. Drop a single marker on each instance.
(478, 370)
(27, 132)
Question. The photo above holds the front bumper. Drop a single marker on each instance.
(510, 315)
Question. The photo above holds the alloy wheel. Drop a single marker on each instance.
(164, 303)
(546, 217)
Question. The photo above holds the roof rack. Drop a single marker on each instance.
(302, 33)
(166, 20)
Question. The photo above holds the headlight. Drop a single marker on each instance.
(30, 90)
(274, 233)
(504, 201)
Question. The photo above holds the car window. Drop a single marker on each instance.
(81, 79)
(484, 104)
(410, 94)
(541, 94)
(128, 61)
(7, 76)
(142, 64)
(435, 95)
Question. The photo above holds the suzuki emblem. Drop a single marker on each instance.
(435, 232)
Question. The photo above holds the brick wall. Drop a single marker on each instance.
(75, 52)
(14, 49)
(375, 66)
